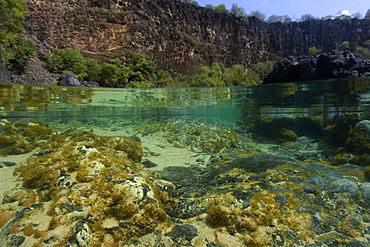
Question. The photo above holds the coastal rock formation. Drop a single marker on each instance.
(70, 79)
(5, 74)
(178, 36)
(334, 64)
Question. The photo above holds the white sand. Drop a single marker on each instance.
(168, 155)
(7, 180)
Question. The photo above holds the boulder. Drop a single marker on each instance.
(68, 79)
(361, 136)
(90, 84)
(334, 64)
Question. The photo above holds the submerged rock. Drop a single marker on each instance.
(341, 186)
(258, 163)
(182, 232)
(361, 135)
(96, 189)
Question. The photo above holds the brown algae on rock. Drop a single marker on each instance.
(92, 179)
(256, 223)
(23, 136)
(89, 190)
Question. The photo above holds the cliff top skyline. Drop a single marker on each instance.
(295, 9)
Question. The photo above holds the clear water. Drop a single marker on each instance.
(227, 104)
(231, 146)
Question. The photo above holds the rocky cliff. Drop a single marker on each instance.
(177, 36)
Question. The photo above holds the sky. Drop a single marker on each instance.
(296, 8)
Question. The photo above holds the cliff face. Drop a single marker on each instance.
(177, 36)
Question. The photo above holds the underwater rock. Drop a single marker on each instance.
(7, 164)
(83, 234)
(351, 225)
(16, 240)
(199, 134)
(361, 135)
(23, 136)
(281, 199)
(86, 149)
(365, 193)
(182, 232)
(258, 163)
(184, 208)
(138, 189)
(341, 186)
(148, 164)
(287, 135)
(66, 181)
(189, 178)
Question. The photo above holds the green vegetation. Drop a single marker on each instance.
(15, 51)
(16, 54)
(217, 75)
(113, 73)
(142, 72)
(344, 46)
(12, 17)
(313, 51)
(221, 8)
(365, 52)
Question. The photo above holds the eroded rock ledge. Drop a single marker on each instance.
(334, 64)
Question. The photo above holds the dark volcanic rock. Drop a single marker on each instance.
(90, 84)
(179, 37)
(5, 74)
(68, 79)
(334, 64)
(184, 231)
(342, 186)
(258, 163)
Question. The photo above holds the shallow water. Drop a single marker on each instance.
(226, 104)
(296, 142)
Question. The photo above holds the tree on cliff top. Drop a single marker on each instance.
(258, 15)
(367, 15)
(237, 11)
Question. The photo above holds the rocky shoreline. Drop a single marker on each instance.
(232, 191)
(326, 65)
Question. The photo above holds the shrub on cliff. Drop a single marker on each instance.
(208, 77)
(140, 72)
(60, 61)
(12, 16)
(363, 51)
(15, 51)
(219, 76)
